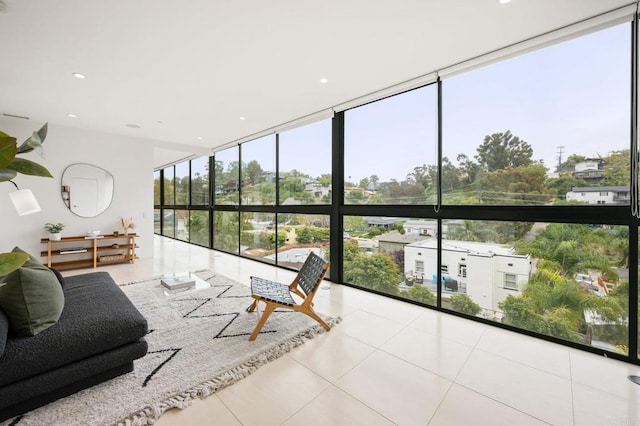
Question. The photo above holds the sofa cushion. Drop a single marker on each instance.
(4, 331)
(32, 298)
(32, 260)
(97, 317)
(59, 276)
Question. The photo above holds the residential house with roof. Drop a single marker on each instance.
(600, 194)
(487, 272)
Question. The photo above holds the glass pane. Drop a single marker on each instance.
(198, 227)
(182, 183)
(169, 195)
(227, 176)
(257, 237)
(168, 223)
(259, 171)
(225, 235)
(305, 164)
(390, 150)
(299, 234)
(551, 126)
(156, 221)
(156, 188)
(181, 224)
(200, 181)
(377, 256)
(569, 281)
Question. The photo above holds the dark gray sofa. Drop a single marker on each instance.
(98, 336)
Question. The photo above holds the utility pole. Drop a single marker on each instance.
(560, 151)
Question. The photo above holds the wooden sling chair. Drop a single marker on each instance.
(277, 295)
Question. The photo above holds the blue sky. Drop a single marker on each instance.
(574, 94)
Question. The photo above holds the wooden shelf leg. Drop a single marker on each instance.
(95, 253)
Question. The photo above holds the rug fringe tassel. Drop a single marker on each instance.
(150, 414)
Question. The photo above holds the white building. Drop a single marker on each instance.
(591, 170)
(600, 194)
(489, 272)
(317, 189)
(421, 227)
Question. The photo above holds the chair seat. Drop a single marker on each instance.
(272, 291)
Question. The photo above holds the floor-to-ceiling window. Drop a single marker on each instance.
(544, 129)
(502, 193)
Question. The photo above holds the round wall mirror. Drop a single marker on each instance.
(86, 190)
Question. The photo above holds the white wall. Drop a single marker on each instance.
(130, 161)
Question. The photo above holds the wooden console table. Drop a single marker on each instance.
(83, 252)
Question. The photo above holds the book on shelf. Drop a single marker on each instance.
(71, 250)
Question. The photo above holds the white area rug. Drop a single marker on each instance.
(198, 344)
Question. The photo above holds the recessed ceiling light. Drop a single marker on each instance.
(199, 138)
(504, 1)
(79, 75)
(242, 118)
(324, 80)
(71, 115)
(132, 125)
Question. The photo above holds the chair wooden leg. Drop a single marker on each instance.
(267, 311)
(253, 306)
(315, 316)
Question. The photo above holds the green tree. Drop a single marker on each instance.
(569, 165)
(226, 232)
(291, 186)
(355, 197)
(514, 185)
(617, 169)
(374, 179)
(464, 304)
(354, 223)
(200, 188)
(350, 251)
(267, 192)
(376, 271)
(324, 179)
(281, 238)
(252, 173)
(503, 150)
(198, 227)
(575, 247)
(450, 176)
(471, 230)
(420, 294)
(558, 187)
(303, 235)
(554, 304)
(469, 170)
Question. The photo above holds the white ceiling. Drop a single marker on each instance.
(183, 70)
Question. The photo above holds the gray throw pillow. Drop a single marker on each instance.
(31, 298)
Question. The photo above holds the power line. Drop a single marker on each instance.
(559, 157)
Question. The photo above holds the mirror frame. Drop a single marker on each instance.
(65, 189)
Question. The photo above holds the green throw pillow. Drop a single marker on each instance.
(32, 299)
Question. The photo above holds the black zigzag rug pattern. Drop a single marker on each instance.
(198, 344)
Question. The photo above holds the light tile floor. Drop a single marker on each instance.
(390, 362)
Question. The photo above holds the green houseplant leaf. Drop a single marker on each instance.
(7, 175)
(7, 149)
(10, 166)
(35, 141)
(10, 262)
(28, 167)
